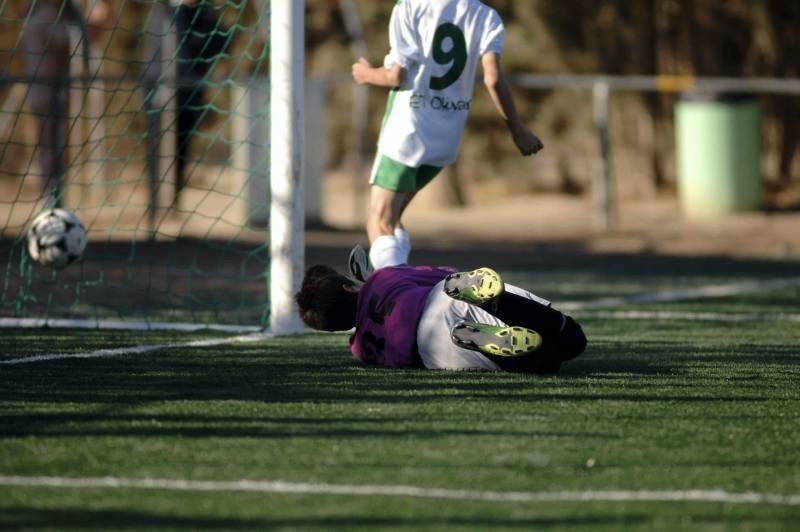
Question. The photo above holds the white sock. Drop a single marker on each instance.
(386, 251)
(405, 242)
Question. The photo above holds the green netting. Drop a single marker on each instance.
(148, 121)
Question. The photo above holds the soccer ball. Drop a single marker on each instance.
(56, 238)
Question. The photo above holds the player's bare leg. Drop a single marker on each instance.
(383, 218)
(385, 209)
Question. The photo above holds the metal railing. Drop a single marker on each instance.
(603, 85)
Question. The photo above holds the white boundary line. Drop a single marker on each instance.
(700, 316)
(137, 350)
(700, 292)
(34, 323)
(307, 488)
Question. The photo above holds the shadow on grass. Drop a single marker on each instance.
(44, 427)
(317, 371)
(273, 379)
(20, 517)
(23, 517)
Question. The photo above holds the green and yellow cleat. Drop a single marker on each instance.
(494, 340)
(479, 287)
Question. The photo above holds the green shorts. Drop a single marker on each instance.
(391, 175)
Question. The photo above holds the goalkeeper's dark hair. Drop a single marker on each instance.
(324, 303)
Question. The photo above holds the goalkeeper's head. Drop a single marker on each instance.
(327, 300)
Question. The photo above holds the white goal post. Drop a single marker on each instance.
(287, 240)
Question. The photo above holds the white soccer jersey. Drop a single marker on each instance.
(439, 43)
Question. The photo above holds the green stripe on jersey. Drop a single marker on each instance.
(389, 106)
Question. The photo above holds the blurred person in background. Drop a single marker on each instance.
(47, 53)
(200, 42)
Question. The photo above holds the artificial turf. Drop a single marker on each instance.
(651, 405)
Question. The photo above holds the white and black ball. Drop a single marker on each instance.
(56, 238)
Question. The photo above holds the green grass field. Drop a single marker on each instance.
(654, 409)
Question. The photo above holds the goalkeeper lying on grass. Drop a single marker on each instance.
(414, 317)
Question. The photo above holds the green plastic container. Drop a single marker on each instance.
(719, 154)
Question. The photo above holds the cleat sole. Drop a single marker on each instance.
(479, 287)
(497, 341)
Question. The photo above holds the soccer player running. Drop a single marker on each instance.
(435, 46)
(436, 318)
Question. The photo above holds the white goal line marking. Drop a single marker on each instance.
(138, 350)
(700, 292)
(121, 325)
(307, 488)
(674, 315)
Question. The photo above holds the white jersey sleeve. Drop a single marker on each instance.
(493, 35)
(404, 44)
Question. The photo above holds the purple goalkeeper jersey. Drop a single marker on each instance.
(390, 305)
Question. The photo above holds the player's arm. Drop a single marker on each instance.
(392, 77)
(500, 92)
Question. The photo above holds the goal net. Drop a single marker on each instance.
(149, 120)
